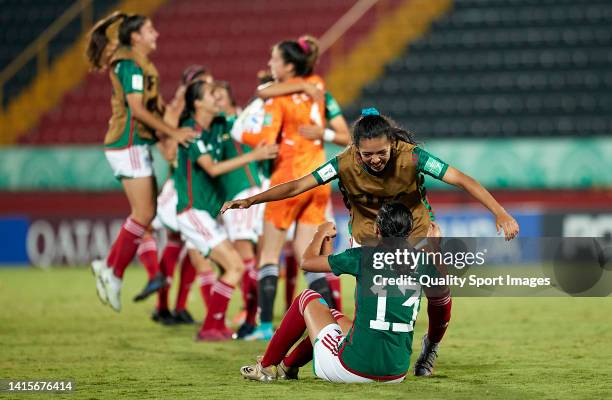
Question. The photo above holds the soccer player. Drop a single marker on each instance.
(166, 219)
(377, 345)
(283, 116)
(385, 163)
(200, 199)
(122, 44)
(240, 225)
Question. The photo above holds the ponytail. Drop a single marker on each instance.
(302, 53)
(103, 34)
(310, 45)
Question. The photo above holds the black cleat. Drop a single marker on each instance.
(244, 330)
(158, 282)
(183, 317)
(424, 365)
(164, 317)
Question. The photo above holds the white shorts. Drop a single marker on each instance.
(242, 224)
(326, 361)
(166, 208)
(130, 162)
(200, 230)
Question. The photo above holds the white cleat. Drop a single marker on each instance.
(97, 266)
(112, 284)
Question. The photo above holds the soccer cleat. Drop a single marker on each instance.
(112, 284)
(164, 317)
(183, 317)
(159, 281)
(258, 373)
(227, 332)
(284, 372)
(424, 365)
(97, 266)
(210, 335)
(244, 330)
(260, 334)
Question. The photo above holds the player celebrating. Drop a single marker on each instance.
(200, 199)
(122, 43)
(290, 60)
(377, 345)
(385, 163)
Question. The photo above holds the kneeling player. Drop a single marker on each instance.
(378, 344)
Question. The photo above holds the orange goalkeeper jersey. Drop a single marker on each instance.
(298, 156)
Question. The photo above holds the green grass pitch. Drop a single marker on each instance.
(52, 326)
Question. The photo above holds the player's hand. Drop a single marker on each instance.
(184, 136)
(242, 203)
(265, 151)
(311, 132)
(508, 224)
(434, 234)
(327, 229)
(314, 92)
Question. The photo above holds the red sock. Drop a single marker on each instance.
(125, 246)
(147, 254)
(249, 291)
(334, 285)
(290, 330)
(302, 353)
(167, 264)
(188, 274)
(221, 294)
(206, 280)
(291, 271)
(439, 312)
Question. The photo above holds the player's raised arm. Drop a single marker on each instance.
(278, 192)
(315, 255)
(503, 220)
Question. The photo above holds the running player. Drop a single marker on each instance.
(122, 44)
(200, 199)
(377, 345)
(384, 163)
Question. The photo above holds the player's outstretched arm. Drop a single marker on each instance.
(503, 220)
(278, 192)
(261, 152)
(315, 255)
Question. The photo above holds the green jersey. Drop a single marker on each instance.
(241, 178)
(332, 108)
(379, 344)
(194, 187)
(131, 77)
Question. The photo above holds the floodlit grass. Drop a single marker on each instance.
(52, 326)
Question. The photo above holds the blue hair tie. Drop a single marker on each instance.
(369, 111)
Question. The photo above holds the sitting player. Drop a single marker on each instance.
(378, 344)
